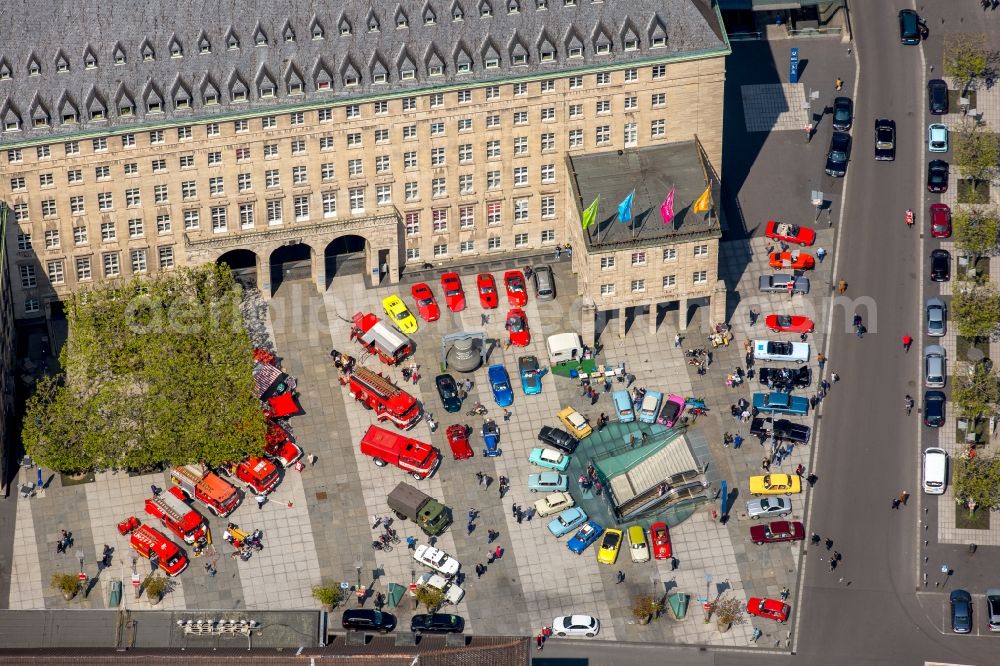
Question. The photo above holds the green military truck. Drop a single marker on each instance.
(408, 503)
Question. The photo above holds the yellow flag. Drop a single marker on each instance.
(702, 204)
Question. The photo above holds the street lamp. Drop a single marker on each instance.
(946, 570)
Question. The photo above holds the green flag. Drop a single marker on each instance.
(590, 214)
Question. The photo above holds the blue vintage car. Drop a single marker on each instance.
(491, 435)
(547, 482)
(500, 383)
(587, 535)
(531, 375)
(649, 408)
(549, 458)
(781, 403)
(622, 402)
(567, 521)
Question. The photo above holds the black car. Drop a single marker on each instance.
(940, 266)
(885, 139)
(909, 27)
(961, 611)
(934, 409)
(937, 176)
(362, 619)
(448, 390)
(437, 623)
(782, 428)
(937, 97)
(840, 150)
(843, 113)
(558, 438)
(785, 379)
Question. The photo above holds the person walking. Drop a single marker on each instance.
(479, 478)
(839, 83)
(677, 340)
(498, 553)
(907, 342)
(620, 578)
(841, 287)
(506, 415)
(820, 254)
(835, 377)
(895, 502)
(261, 500)
(904, 497)
(809, 132)
(821, 360)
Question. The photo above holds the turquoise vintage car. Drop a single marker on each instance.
(781, 403)
(567, 521)
(549, 458)
(547, 482)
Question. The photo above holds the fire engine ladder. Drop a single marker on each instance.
(167, 508)
(376, 381)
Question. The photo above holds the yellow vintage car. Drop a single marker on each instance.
(611, 543)
(575, 422)
(397, 312)
(775, 484)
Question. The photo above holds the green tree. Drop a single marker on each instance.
(966, 57)
(977, 481)
(431, 597)
(328, 594)
(978, 392)
(155, 370)
(976, 231)
(976, 309)
(976, 151)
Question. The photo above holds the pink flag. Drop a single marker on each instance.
(667, 209)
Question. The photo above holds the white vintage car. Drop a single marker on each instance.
(436, 559)
(774, 350)
(553, 503)
(452, 593)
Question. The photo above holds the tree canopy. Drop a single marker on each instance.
(976, 309)
(966, 57)
(976, 231)
(156, 370)
(976, 151)
(977, 392)
(977, 480)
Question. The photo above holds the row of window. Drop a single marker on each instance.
(669, 282)
(493, 244)
(69, 113)
(639, 258)
(110, 263)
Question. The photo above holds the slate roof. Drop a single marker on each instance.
(90, 58)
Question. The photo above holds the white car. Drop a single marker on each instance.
(778, 350)
(452, 593)
(576, 625)
(937, 138)
(553, 503)
(436, 559)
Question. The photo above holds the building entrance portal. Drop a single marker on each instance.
(290, 262)
(345, 255)
(243, 263)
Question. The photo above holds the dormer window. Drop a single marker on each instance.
(492, 63)
(401, 21)
(41, 121)
(295, 89)
(372, 24)
(147, 53)
(62, 66)
(12, 125)
(429, 17)
(97, 115)
(407, 74)
(89, 61)
(126, 110)
(548, 55)
(69, 118)
(485, 10)
(436, 70)
(659, 42)
(631, 44)
(350, 79)
(232, 43)
(541, 4)
(318, 32)
(211, 98)
(457, 14)
(345, 29)
(154, 107)
(575, 52)
(513, 7)
(288, 34)
(603, 49)
(569, 3)
(239, 95)
(34, 69)
(176, 51)
(519, 59)
(204, 46)
(380, 78)
(464, 68)
(260, 39)
(5, 72)
(267, 90)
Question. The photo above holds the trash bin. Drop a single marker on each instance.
(116, 593)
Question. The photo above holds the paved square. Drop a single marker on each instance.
(774, 106)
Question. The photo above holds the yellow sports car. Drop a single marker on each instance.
(396, 310)
(611, 543)
(775, 484)
(575, 422)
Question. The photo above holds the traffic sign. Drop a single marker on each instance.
(135, 581)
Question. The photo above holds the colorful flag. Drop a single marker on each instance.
(625, 208)
(590, 214)
(703, 204)
(667, 209)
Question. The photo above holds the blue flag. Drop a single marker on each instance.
(625, 208)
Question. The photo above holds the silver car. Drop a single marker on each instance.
(769, 507)
(778, 283)
(937, 317)
(993, 608)
(935, 374)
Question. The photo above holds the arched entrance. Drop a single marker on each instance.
(345, 255)
(290, 262)
(243, 263)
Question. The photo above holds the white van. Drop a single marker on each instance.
(935, 471)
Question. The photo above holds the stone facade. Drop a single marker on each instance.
(7, 368)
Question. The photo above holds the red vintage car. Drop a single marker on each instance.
(458, 440)
(517, 326)
(772, 609)
(427, 307)
(777, 531)
(796, 260)
(454, 295)
(487, 288)
(940, 220)
(780, 323)
(790, 233)
(517, 291)
(660, 535)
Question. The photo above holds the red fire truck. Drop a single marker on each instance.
(391, 346)
(259, 474)
(207, 487)
(408, 454)
(156, 547)
(178, 517)
(390, 402)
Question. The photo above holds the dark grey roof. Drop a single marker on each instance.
(81, 56)
(652, 172)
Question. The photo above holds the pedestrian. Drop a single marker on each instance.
(261, 500)
(753, 316)
(210, 569)
(411, 543)
(809, 132)
(513, 510)
(484, 319)
(835, 377)
(620, 578)
(631, 440)
(765, 465)
(519, 515)
(558, 251)
(490, 558)
(821, 359)
(825, 385)
(479, 571)
(737, 441)
(907, 342)
(811, 480)
(820, 254)
(800, 469)
(472, 514)
(547, 632)
(506, 415)
(498, 553)
(784, 593)
(829, 543)
(155, 490)
(530, 513)
(607, 384)
(814, 539)
(491, 536)
(677, 340)
(471, 527)
(839, 83)
(841, 287)
(60, 547)
(312, 459)
(539, 639)
(629, 379)
(485, 481)
(903, 497)
(479, 478)
(837, 556)
(813, 401)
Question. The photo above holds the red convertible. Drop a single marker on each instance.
(458, 440)
(772, 609)
(487, 287)
(427, 307)
(780, 323)
(790, 233)
(796, 260)
(661, 541)
(454, 295)
(777, 531)
(517, 326)
(517, 292)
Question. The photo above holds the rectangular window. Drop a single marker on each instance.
(548, 207)
(357, 199)
(138, 258)
(214, 159)
(129, 168)
(166, 253)
(493, 243)
(701, 250)
(298, 146)
(669, 281)
(382, 164)
(437, 157)
(659, 71)
(547, 142)
(56, 273)
(327, 172)
(520, 240)
(42, 152)
(411, 191)
(602, 134)
(212, 129)
(576, 138)
(435, 100)
(439, 220)
(272, 178)
(268, 122)
(412, 221)
(466, 217)
(520, 210)
(638, 286)
(409, 104)
(135, 228)
(548, 172)
(409, 132)
(246, 216)
(607, 290)
(603, 106)
(45, 179)
(658, 99)
(23, 241)
(465, 124)
(112, 264)
(14, 155)
(72, 148)
(83, 269)
(441, 250)
(354, 140)
(49, 207)
(493, 92)
(412, 253)
(76, 206)
(186, 161)
(548, 114)
(163, 223)
(575, 111)
(21, 212)
(631, 103)
(242, 154)
(520, 145)
(100, 144)
(108, 232)
(467, 246)
(465, 153)
(298, 118)
(657, 129)
(270, 150)
(159, 165)
(355, 168)
(329, 204)
(520, 117)
(493, 149)
(192, 219)
(437, 128)
(241, 125)
(274, 211)
(548, 235)
(520, 176)
(464, 96)
(631, 134)
(301, 206)
(51, 239)
(243, 182)
(670, 254)
(699, 277)
(155, 137)
(410, 159)
(631, 74)
(300, 176)
(381, 136)
(105, 201)
(383, 195)
(183, 133)
(219, 219)
(160, 191)
(439, 187)
(380, 107)
(494, 213)
(575, 82)
(607, 263)
(638, 258)
(465, 184)
(492, 180)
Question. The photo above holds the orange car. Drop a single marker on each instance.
(795, 260)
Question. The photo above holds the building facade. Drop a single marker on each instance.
(7, 369)
(165, 134)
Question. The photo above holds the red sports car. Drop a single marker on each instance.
(772, 609)
(791, 233)
(517, 292)
(517, 326)
(662, 549)
(487, 287)
(454, 295)
(940, 220)
(427, 307)
(458, 440)
(779, 530)
(796, 260)
(780, 323)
